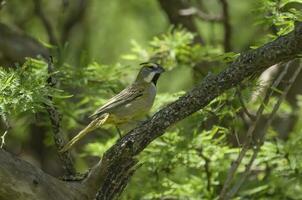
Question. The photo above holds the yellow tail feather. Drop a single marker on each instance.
(91, 126)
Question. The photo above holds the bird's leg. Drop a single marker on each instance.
(119, 131)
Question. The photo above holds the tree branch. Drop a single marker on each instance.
(15, 46)
(46, 23)
(244, 108)
(271, 117)
(7, 127)
(199, 13)
(110, 176)
(55, 119)
(207, 170)
(121, 155)
(22, 181)
(226, 25)
(251, 131)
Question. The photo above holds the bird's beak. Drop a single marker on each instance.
(160, 70)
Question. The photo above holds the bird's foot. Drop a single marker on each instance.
(75, 177)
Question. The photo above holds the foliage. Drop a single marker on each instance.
(280, 13)
(190, 161)
(24, 89)
(169, 49)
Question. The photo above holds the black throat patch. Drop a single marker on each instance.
(155, 78)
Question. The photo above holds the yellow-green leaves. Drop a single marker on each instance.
(24, 88)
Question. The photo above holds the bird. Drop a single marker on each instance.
(128, 106)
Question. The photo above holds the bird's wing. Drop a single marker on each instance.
(125, 96)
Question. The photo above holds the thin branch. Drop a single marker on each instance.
(271, 117)
(250, 133)
(56, 118)
(200, 14)
(46, 23)
(226, 25)
(3, 139)
(15, 46)
(7, 127)
(244, 108)
(207, 170)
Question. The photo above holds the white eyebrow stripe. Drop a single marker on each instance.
(154, 65)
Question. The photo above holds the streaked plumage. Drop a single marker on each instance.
(130, 105)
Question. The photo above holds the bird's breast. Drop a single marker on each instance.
(137, 108)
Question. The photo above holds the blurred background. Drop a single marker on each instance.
(97, 46)
(104, 30)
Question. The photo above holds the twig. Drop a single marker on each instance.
(226, 25)
(250, 133)
(46, 23)
(244, 108)
(7, 127)
(55, 119)
(3, 139)
(237, 139)
(271, 117)
(202, 15)
(236, 187)
(207, 161)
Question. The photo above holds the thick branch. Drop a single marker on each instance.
(22, 181)
(15, 46)
(121, 154)
(7, 127)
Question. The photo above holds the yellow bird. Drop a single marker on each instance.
(128, 106)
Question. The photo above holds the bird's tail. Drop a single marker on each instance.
(91, 126)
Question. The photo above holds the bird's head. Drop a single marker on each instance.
(149, 72)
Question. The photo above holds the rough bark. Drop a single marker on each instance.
(57, 132)
(110, 176)
(22, 181)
